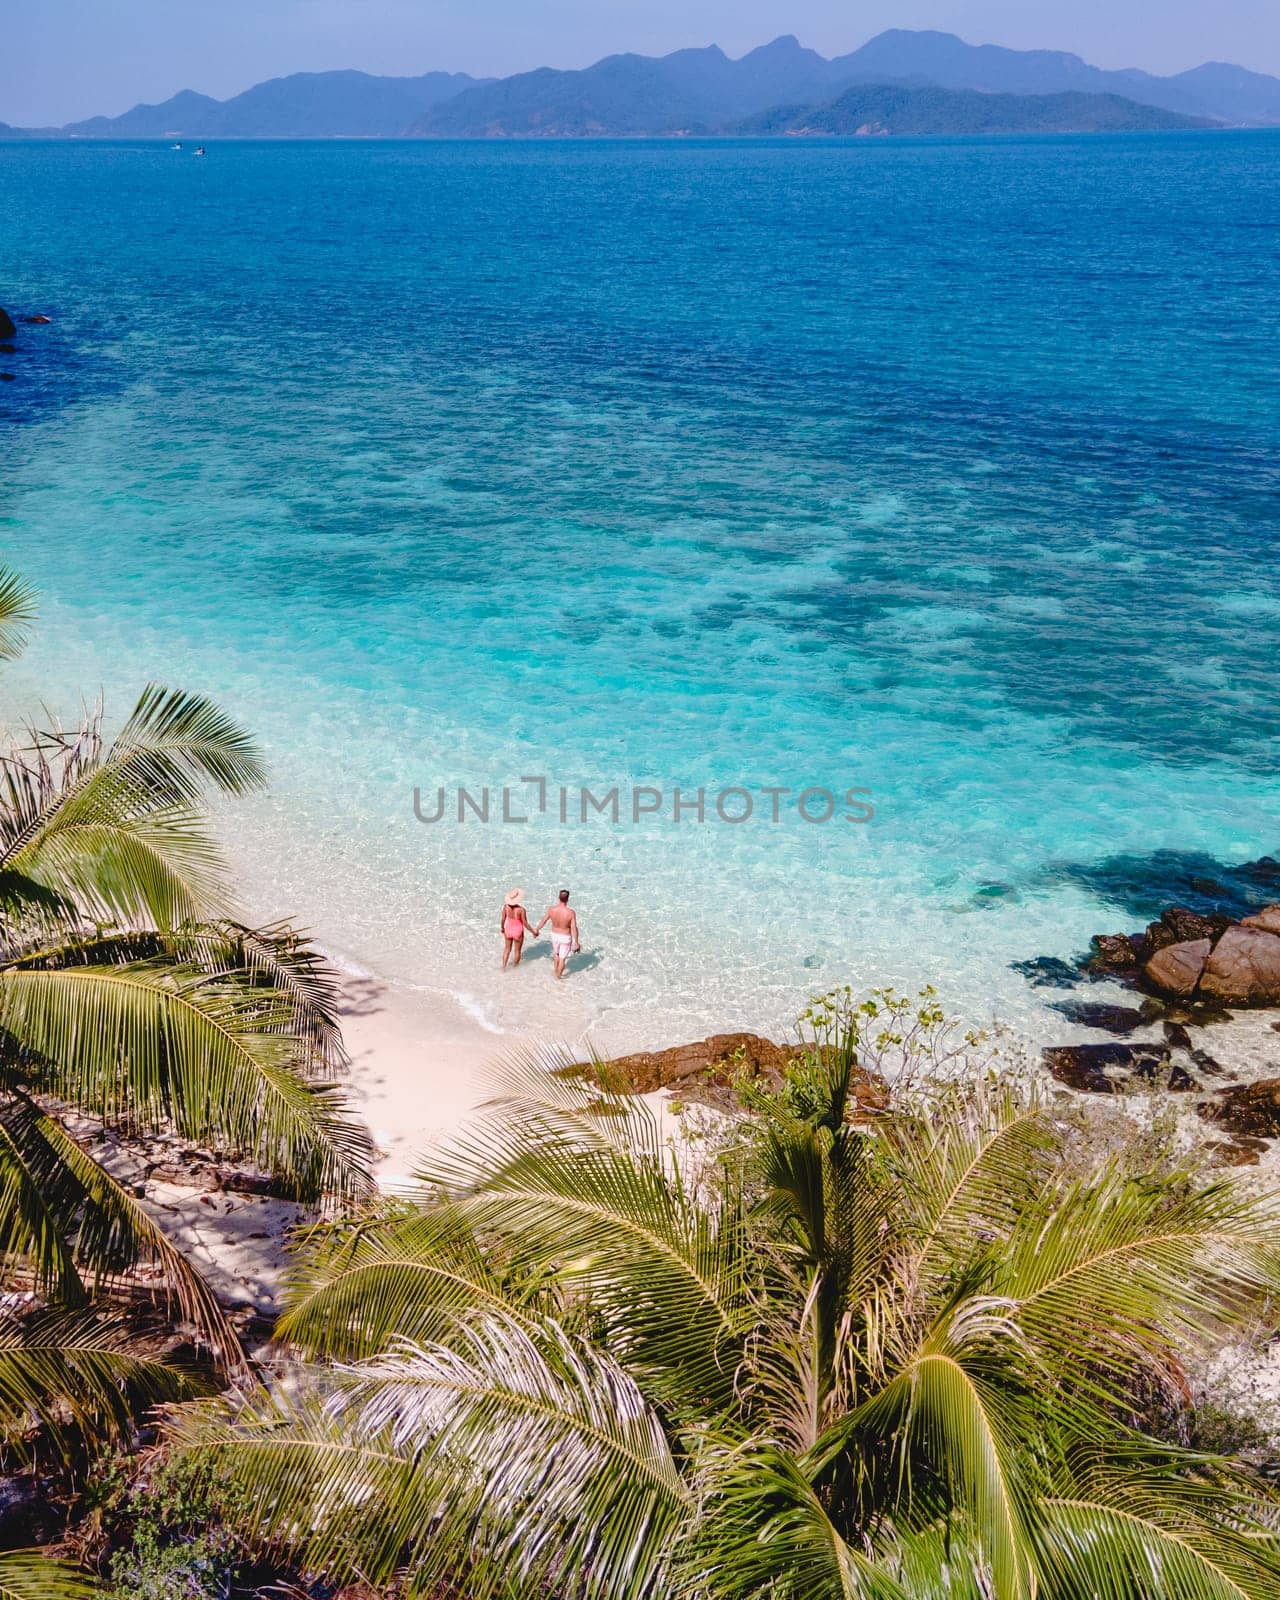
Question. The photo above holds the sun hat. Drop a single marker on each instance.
(515, 898)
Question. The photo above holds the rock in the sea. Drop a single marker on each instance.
(1244, 968)
(8, 349)
(1113, 952)
(1243, 1152)
(1048, 972)
(7, 329)
(1178, 1038)
(39, 320)
(7, 377)
(1156, 937)
(1268, 919)
(1176, 968)
(1250, 1110)
(1186, 925)
(1119, 1020)
(1113, 1068)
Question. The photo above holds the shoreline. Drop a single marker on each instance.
(421, 1065)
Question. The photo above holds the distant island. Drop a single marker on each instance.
(900, 108)
(901, 82)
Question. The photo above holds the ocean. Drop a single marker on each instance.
(942, 470)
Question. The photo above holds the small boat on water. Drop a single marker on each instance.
(199, 149)
(175, 147)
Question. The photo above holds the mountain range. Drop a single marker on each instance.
(924, 82)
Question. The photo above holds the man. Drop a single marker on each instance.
(564, 931)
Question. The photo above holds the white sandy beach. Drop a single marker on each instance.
(420, 1061)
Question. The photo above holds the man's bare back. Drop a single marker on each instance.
(564, 931)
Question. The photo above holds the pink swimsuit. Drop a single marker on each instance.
(513, 927)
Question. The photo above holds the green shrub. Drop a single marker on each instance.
(162, 1526)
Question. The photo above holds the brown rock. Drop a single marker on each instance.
(1119, 1020)
(707, 1069)
(1177, 1037)
(1113, 952)
(1244, 968)
(7, 329)
(1237, 1152)
(1112, 1068)
(1176, 969)
(1157, 937)
(1268, 919)
(1249, 1110)
(1186, 925)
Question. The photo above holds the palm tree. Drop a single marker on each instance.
(129, 1000)
(912, 1359)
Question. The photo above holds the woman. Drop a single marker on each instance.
(515, 924)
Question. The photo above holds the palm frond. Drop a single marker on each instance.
(1112, 1551)
(762, 1532)
(17, 613)
(967, 1169)
(276, 964)
(281, 960)
(1114, 1269)
(112, 1235)
(94, 836)
(403, 1272)
(146, 1044)
(510, 1461)
(160, 866)
(95, 1370)
(34, 1213)
(33, 1575)
(175, 743)
(958, 1417)
(119, 832)
(580, 1180)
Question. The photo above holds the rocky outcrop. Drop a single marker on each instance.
(1202, 959)
(7, 329)
(1176, 969)
(1244, 968)
(1184, 925)
(708, 1069)
(1189, 967)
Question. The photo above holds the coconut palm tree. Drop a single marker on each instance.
(911, 1359)
(131, 1002)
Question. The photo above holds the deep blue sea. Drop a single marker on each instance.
(947, 469)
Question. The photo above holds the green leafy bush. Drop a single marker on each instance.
(163, 1527)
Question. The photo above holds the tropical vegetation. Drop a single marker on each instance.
(133, 1003)
(934, 1352)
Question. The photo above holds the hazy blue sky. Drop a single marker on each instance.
(65, 59)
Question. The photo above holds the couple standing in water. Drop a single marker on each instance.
(564, 929)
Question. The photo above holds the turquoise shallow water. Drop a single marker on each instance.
(947, 469)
